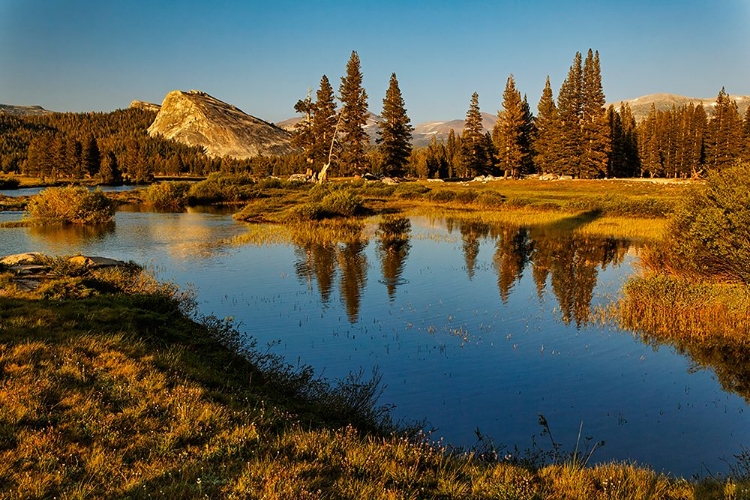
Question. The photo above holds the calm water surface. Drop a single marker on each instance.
(472, 326)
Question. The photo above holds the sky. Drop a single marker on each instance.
(262, 56)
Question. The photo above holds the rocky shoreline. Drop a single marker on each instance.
(29, 270)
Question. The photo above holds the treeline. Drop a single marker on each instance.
(111, 148)
(573, 135)
(576, 136)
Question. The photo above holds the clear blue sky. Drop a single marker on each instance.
(98, 55)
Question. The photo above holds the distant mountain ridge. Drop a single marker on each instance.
(10, 109)
(641, 106)
(195, 118)
(423, 133)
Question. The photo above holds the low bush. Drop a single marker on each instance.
(71, 205)
(490, 199)
(220, 188)
(411, 190)
(307, 212)
(168, 195)
(8, 183)
(342, 204)
(466, 196)
(709, 237)
(377, 189)
(441, 195)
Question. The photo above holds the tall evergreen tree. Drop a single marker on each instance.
(724, 133)
(73, 158)
(324, 122)
(354, 139)
(91, 157)
(746, 135)
(109, 173)
(474, 156)
(508, 134)
(453, 153)
(570, 112)
(623, 155)
(303, 136)
(395, 131)
(546, 149)
(527, 139)
(595, 142)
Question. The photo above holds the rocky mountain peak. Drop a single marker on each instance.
(145, 106)
(198, 119)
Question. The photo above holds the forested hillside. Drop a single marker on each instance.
(108, 147)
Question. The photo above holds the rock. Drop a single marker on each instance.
(299, 178)
(95, 262)
(198, 119)
(145, 106)
(389, 181)
(21, 258)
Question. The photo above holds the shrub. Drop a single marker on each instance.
(377, 189)
(270, 183)
(71, 205)
(466, 196)
(709, 236)
(490, 199)
(442, 195)
(222, 188)
(306, 212)
(168, 195)
(411, 190)
(342, 203)
(7, 183)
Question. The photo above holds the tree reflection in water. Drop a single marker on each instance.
(570, 262)
(565, 262)
(393, 249)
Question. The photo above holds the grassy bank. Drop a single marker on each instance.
(628, 209)
(111, 388)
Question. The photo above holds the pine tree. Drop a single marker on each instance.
(91, 157)
(746, 135)
(527, 139)
(631, 161)
(509, 131)
(474, 157)
(724, 133)
(547, 132)
(595, 142)
(73, 156)
(395, 131)
(109, 173)
(324, 122)
(648, 144)
(303, 136)
(354, 139)
(570, 112)
(453, 153)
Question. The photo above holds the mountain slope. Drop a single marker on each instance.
(198, 119)
(10, 109)
(664, 102)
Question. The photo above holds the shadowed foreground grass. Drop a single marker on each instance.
(109, 388)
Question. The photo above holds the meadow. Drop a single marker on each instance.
(114, 386)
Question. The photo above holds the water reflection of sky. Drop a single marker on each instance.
(452, 345)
